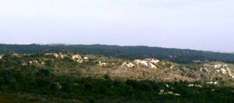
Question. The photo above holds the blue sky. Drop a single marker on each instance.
(194, 24)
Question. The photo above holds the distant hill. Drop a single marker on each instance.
(131, 52)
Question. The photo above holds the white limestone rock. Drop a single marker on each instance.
(128, 65)
(1, 56)
(77, 58)
(141, 62)
(102, 64)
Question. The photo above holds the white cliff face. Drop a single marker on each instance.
(128, 65)
(102, 64)
(230, 73)
(62, 56)
(220, 69)
(217, 66)
(141, 62)
(1, 56)
(153, 61)
(86, 58)
(152, 66)
(223, 71)
(204, 69)
(56, 55)
(77, 58)
(148, 63)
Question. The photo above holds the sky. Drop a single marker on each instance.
(193, 24)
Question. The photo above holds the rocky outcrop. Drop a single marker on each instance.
(147, 63)
(217, 69)
(102, 64)
(1, 56)
(128, 65)
(77, 58)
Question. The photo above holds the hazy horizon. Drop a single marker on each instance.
(185, 24)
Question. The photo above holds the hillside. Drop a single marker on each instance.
(129, 52)
(89, 78)
(102, 74)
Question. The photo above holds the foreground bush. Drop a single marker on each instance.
(43, 82)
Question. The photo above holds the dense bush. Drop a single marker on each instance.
(42, 81)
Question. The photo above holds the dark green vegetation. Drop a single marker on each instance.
(42, 82)
(176, 55)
